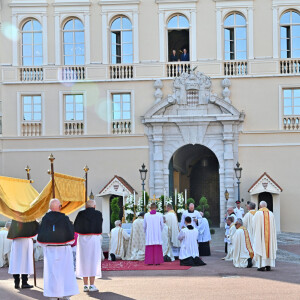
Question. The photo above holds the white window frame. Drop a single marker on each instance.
(279, 7)
(234, 27)
(20, 120)
(225, 8)
(63, 42)
(281, 88)
(32, 109)
(110, 112)
(62, 95)
(32, 44)
(111, 11)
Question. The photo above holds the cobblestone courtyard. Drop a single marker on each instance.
(217, 280)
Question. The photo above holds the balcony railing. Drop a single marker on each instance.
(121, 71)
(73, 73)
(291, 123)
(121, 127)
(74, 128)
(177, 68)
(31, 74)
(290, 66)
(31, 129)
(235, 68)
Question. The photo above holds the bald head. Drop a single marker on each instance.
(263, 204)
(230, 210)
(90, 203)
(54, 205)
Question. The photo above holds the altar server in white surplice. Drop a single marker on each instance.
(248, 219)
(229, 238)
(56, 234)
(189, 253)
(116, 242)
(242, 248)
(5, 245)
(88, 225)
(172, 222)
(204, 237)
(166, 245)
(265, 239)
(21, 255)
(136, 245)
(193, 214)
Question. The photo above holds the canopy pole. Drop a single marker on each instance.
(27, 169)
(86, 169)
(52, 158)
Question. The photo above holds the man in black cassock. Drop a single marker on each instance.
(21, 256)
(88, 225)
(56, 234)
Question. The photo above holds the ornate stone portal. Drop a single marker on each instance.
(193, 115)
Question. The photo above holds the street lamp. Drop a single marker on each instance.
(143, 172)
(238, 175)
(226, 194)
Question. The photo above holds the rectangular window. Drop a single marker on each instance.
(73, 107)
(121, 106)
(32, 108)
(291, 102)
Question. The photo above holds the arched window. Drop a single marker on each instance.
(32, 43)
(235, 37)
(290, 35)
(178, 38)
(73, 36)
(121, 41)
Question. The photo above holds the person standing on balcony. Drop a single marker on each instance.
(185, 56)
(174, 56)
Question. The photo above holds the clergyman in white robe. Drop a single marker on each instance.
(265, 239)
(193, 214)
(118, 236)
(166, 239)
(229, 239)
(242, 248)
(136, 245)
(172, 222)
(248, 219)
(5, 247)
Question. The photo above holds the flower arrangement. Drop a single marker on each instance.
(129, 208)
(140, 205)
(180, 205)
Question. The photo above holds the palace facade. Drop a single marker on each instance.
(188, 87)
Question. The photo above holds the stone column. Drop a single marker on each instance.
(228, 140)
(158, 160)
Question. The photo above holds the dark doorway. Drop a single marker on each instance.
(267, 197)
(196, 168)
(178, 40)
(120, 205)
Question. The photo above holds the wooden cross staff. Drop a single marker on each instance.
(86, 169)
(27, 169)
(52, 158)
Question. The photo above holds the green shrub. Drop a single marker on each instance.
(115, 210)
(190, 200)
(212, 231)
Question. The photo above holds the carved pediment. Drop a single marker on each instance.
(192, 96)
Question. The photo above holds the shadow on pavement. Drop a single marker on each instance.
(34, 294)
(109, 296)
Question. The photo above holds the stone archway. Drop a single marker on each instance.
(195, 168)
(193, 115)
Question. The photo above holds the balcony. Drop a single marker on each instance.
(291, 123)
(72, 73)
(177, 68)
(121, 127)
(74, 128)
(31, 129)
(119, 71)
(30, 74)
(236, 68)
(290, 66)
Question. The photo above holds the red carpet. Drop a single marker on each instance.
(126, 265)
